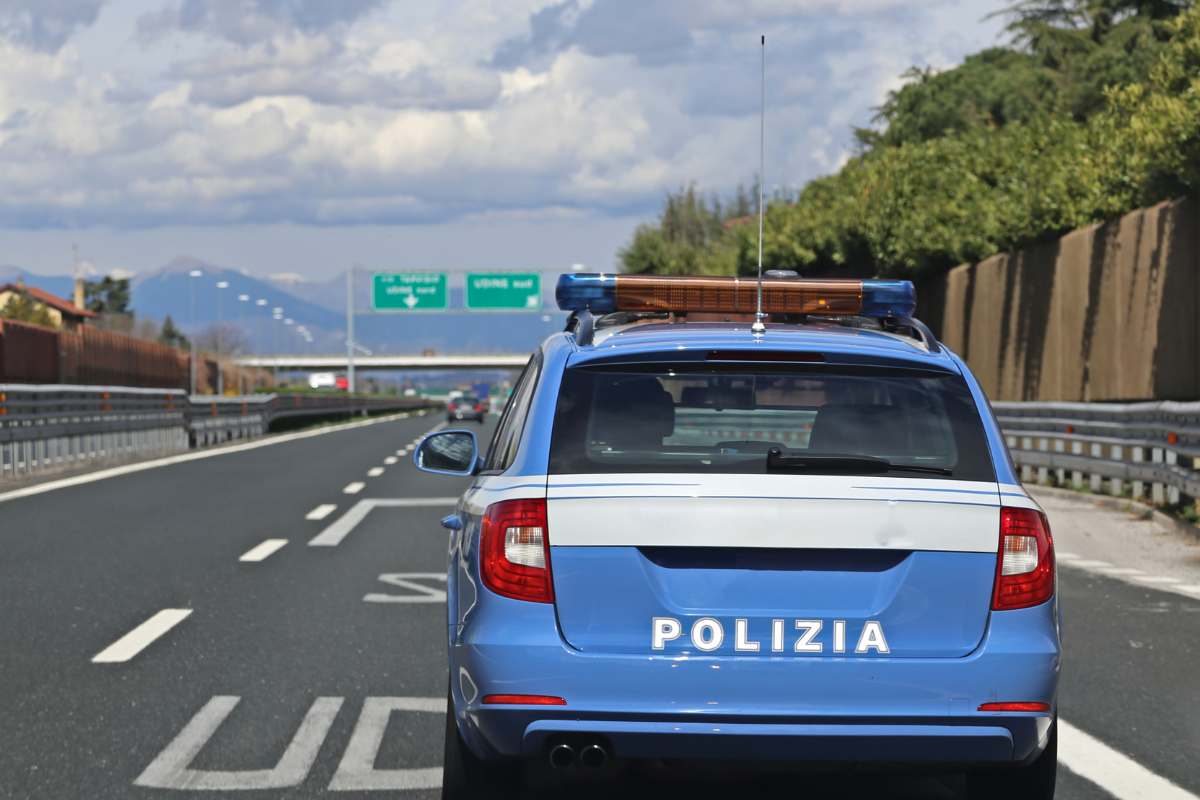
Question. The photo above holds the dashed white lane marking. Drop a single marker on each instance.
(262, 551)
(141, 637)
(357, 772)
(390, 460)
(374, 472)
(321, 512)
(354, 488)
(343, 525)
(114, 472)
(1111, 770)
(172, 768)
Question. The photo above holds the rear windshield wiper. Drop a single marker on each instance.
(776, 460)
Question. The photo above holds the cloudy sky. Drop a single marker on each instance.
(303, 135)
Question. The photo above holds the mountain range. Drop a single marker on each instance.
(195, 303)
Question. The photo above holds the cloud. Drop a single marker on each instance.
(45, 25)
(327, 114)
(250, 21)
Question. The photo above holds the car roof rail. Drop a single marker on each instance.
(583, 324)
(931, 342)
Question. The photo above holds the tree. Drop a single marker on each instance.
(107, 296)
(21, 308)
(223, 339)
(171, 335)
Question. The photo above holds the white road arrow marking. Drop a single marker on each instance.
(171, 769)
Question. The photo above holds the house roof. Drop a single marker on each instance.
(47, 299)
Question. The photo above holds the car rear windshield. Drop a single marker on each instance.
(814, 419)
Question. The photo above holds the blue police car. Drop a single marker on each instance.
(694, 539)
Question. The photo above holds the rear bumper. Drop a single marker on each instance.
(861, 710)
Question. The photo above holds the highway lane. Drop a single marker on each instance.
(335, 654)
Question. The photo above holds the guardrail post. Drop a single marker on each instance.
(1095, 479)
(1115, 486)
(1043, 473)
(1172, 490)
(1157, 495)
(1139, 487)
(1076, 475)
(1060, 474)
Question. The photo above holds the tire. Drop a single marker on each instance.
(1034, 781)
(465, 776)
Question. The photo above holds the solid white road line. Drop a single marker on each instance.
(354, 488)
(1157, 579)
(374, 472)
(1113, 771)
(1091, 564)
(1065, 556)
(321, 512)
(1193, 588)
(142, 636)
(341, 528)
(115, 472)
(262, 551)
(390, 460)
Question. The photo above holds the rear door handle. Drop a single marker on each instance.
(452, 522)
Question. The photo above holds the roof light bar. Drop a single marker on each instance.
(603, 294)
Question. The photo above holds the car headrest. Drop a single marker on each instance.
(632, 412)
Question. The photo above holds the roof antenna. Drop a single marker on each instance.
(759, 328)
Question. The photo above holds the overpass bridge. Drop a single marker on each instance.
(330, 363)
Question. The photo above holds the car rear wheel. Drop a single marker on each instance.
(465, 776)
(1034, 781)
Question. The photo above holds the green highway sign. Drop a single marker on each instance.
(409, 291)
(504, 291)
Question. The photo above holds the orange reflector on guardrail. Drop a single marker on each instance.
(3, 400)
(1172, 438)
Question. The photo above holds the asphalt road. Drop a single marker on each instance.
(319, 670)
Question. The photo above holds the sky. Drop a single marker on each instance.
(300, 136)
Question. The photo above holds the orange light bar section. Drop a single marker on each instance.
(737, 295)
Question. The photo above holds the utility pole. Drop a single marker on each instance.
(350, 330)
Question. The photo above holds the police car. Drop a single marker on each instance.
(691, 538)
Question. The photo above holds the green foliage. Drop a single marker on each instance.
(171, 335)
(1096, 114)
(21, 308)
(107, 296)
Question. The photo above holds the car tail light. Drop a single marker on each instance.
(514, 550)
(479, 406)
(1025, 563)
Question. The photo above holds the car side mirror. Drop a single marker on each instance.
(448, 453)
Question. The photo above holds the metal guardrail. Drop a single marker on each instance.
(46, 427)
(1122, 449)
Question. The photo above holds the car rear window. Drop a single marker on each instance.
(727, 419)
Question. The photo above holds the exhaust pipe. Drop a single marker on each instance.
(562, 756)
(593, 756)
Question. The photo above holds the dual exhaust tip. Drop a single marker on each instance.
(592, 755)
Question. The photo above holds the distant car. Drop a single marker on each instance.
(692, 540)
(465, 407)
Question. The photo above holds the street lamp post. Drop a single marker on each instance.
(192, 324)
(243, 299)
(221, 287)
